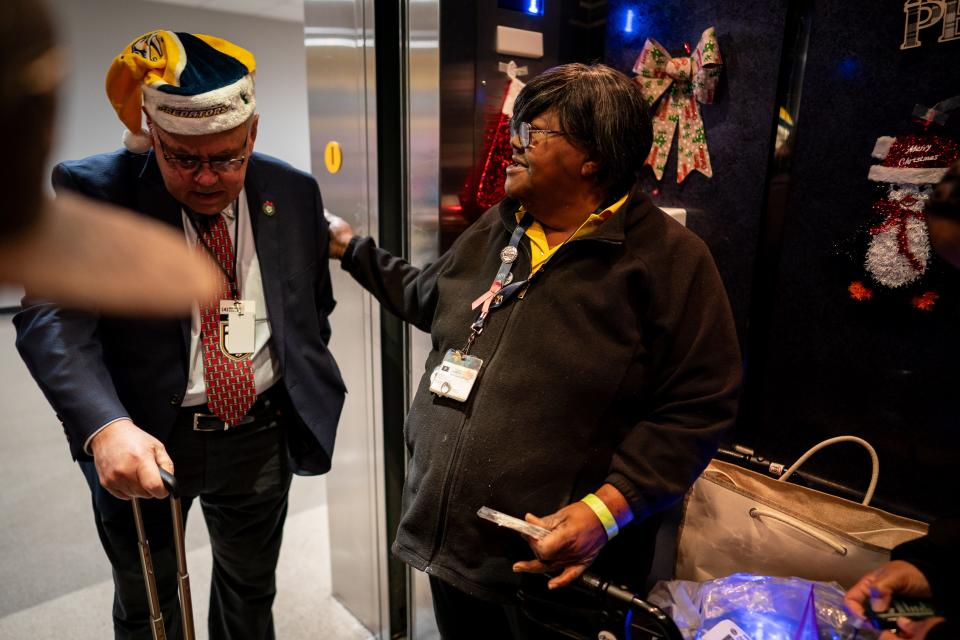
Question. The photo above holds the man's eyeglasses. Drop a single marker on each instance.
(189, 164)
(524, 130)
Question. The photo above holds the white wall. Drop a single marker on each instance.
(94, 31)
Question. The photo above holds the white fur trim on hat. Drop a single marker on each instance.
(211, 112)
(901, 175)
(137, 142)
(882, 148)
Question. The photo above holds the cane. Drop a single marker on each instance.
(146, 564)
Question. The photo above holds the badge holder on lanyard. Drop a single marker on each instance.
(455, 376)
(237, 317)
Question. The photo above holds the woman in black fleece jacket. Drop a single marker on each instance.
(610, 362)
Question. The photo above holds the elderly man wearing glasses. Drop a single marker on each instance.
(232, 399)
(584, 365)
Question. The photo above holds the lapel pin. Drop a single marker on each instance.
(268, 208)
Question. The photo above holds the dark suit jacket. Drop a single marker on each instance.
(94, 368)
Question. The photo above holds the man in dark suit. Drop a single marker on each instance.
(234, 398)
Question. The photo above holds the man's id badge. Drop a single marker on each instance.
(238, 322)
(455, 376)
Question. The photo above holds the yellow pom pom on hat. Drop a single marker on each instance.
(190, 84)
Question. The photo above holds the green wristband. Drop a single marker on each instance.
(600, 509)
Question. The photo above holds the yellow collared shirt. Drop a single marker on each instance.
(540, 251)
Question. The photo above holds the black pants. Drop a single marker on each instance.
(242, 481)
(463, 617)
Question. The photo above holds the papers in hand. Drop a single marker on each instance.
(518, 525)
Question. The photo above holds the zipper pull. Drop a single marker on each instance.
(523, 291)
(530, 280)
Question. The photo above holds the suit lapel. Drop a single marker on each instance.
(154, 200)
(266, 233)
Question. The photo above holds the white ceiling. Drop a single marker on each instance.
(289, 10)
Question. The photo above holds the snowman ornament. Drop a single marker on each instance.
(899, 252)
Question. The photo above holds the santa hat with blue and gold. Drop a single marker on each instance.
(189, 84)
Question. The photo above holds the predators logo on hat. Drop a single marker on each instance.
(189, 84)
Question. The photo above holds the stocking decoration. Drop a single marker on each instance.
(484, 188)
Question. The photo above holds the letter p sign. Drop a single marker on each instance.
(921, 14)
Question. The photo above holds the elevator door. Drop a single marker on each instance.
(423, 224)
(341, 99)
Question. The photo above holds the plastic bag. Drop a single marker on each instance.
(765, 608)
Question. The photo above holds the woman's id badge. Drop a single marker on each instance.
(455, 376)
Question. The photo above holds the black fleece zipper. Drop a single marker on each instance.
(440, 530)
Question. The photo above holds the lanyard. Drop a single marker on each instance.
(494, 297)
(501, 293)
(234, 281)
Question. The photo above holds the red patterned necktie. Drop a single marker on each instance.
(230, 387)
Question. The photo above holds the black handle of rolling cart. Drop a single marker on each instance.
(655, 622)
(170, 482)
(146, 564)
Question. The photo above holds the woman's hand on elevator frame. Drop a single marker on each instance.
(340, 235)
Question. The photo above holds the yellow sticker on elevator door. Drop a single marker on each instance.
(333, 156)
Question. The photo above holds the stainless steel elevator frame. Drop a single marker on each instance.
(423, 223)
(339, 38)
(338, 35)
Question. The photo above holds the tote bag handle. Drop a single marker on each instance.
(874, 474)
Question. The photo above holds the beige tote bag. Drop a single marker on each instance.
(736, 520)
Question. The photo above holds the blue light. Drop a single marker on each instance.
(534, 8)
(628, 25)
(849, 68)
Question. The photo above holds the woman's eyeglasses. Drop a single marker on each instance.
(524, 130)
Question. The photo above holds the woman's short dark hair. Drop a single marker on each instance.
(602, 112)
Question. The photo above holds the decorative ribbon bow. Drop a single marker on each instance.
(689, 80)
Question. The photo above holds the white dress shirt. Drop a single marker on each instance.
(265, 367)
